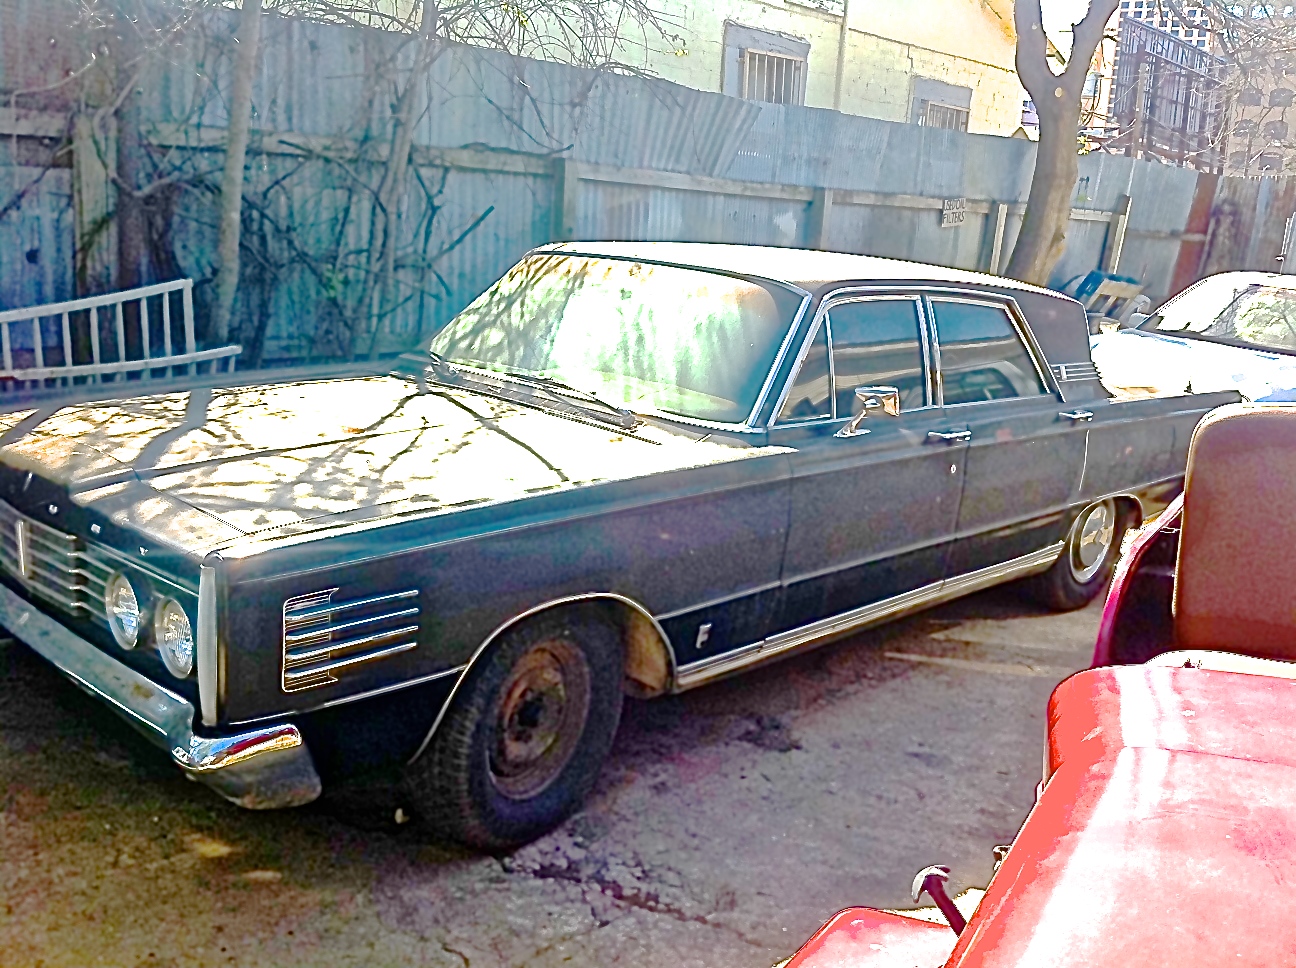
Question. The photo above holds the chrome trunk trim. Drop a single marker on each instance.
(705, 670)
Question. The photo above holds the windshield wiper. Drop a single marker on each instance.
(606, 412)
(622, 417)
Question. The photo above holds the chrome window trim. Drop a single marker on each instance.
(1016, 319)
(761, 397)
(849, 294)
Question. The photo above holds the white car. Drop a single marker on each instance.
(1230, 331)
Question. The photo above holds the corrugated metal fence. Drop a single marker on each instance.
(513, 153)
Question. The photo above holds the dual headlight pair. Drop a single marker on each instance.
(172, 631)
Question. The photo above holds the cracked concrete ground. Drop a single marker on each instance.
(728, 824)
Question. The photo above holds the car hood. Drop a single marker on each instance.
(200, 469)
(1137, 363)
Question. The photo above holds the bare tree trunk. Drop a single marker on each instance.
(381, 269)
(1057, 102)
(231, 205)
(132, 226)
(1048, 207)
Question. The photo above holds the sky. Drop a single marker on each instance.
(1059, 15)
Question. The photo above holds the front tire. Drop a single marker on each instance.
(522, 745)
(1087, 560)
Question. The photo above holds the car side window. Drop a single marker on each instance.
(877, 342)
(811, 393)
(982, 357)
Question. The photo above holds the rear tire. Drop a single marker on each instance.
(523, 742)
(1087, 560)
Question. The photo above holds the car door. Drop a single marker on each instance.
(872, 511)
(1026, 449)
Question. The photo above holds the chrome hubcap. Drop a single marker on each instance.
(1091, 540)
(542, 711)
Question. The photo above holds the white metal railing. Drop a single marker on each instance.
(105, 337)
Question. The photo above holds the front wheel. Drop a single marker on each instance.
(522, 744)
(1087, 560)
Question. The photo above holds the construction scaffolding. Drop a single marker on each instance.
(1167, 99)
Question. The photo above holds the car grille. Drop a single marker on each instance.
(324, 638)
(52, 565)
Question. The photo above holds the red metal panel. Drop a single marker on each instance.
(1095, 714)
(864, 938)
(1153, 857)
(1188, 265)
(1120, 586)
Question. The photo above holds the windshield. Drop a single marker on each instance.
(647, 337)
(1261, 314)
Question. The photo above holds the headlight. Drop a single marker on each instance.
(122, 606)
(174, 637)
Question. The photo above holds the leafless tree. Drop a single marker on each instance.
(1257, 42)
(1057, 100)
(236, 143)
(365, 280)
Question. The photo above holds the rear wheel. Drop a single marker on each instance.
(1087, 560)
(522, 744)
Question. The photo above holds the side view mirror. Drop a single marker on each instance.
(1140, 321)
(885, 399)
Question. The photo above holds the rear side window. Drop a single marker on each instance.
(981, 355)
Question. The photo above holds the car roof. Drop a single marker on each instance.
(805, 268)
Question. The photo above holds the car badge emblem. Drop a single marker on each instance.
(23, 535)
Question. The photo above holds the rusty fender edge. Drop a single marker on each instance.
(264, 769)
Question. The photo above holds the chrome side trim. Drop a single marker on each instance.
(697, 673)
(394, 687)
(208, 651)
(315, 644)
(1074, 372)
(671, 671)
(262, 769)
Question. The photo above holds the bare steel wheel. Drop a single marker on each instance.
(1087, 560)
(1091, 540)
(544, 705)
(525, 735)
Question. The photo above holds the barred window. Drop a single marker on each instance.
(773, 78)
(943, 116)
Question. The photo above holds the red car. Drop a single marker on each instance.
(1165, 827)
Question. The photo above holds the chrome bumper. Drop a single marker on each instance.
(261, 770)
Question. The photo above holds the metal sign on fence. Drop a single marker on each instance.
(953, 212)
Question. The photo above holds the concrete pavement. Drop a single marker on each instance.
(728, 824)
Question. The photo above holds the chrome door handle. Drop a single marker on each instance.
(949, 436)
(1077, 416)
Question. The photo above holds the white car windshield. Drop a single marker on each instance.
(1225, 307)
(651, 338)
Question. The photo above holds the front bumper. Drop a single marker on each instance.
(264, 769)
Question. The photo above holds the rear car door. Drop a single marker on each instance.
(871, 512)
(1026, 448)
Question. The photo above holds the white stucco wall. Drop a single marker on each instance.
(969, 43)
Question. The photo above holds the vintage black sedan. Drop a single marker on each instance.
(624, 469)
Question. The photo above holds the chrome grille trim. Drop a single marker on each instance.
(51, 564)
(316, 646)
